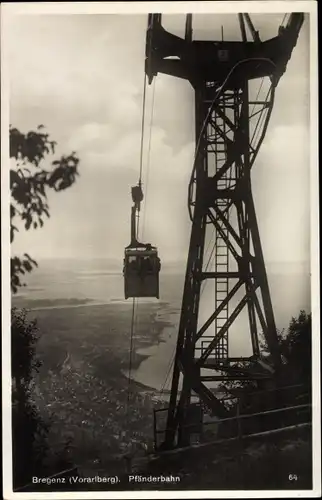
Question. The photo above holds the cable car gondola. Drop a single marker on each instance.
(141, 262)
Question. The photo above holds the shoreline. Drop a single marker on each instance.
(156, 340)
(81, 383)
(76, 303)
(152, 322)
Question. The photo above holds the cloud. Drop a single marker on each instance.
(82, 76)
(281, 191)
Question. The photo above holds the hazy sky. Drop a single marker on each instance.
(82, 77)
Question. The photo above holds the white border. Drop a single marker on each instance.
(34, 8)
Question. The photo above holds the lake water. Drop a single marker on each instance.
(290, 292)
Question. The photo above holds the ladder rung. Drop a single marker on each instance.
(219, 323)
(222, 315)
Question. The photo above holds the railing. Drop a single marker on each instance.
(242, 425)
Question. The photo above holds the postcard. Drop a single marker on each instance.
(160, 251)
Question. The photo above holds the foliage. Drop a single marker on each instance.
(295, 349)
(32, 175)
(30, 183)
(31, 453)
(24, 335)
(28, 430)
(295, 345)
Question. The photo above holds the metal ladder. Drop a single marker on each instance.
(221, 262)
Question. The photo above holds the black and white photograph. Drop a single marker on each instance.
(160, 269)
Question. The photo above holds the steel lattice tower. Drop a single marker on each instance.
(229, 129)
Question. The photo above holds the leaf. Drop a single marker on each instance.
(12, 233)
(15, 280)
(28, 188)
(27, 265)
(14, 177)
(31, 260)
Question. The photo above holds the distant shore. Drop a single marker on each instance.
(44, 304)
(82, 385)
(118, 310)
(58, 328)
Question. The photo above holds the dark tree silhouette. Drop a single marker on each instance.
(296, 349)
(28, 429)
(294, 377)
(32, 175)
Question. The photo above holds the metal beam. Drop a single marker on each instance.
(254, 33)
(220, 198)
(188, 30)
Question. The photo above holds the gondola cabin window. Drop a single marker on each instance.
(141, 273)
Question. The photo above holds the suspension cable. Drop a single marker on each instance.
(134, 303)
(257, 96)
(257, 127)
(141, 148)
(131, 352)
(142, 128)
(148, 157)
(168, 371)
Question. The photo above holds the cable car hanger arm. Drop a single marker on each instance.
(137, 197)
